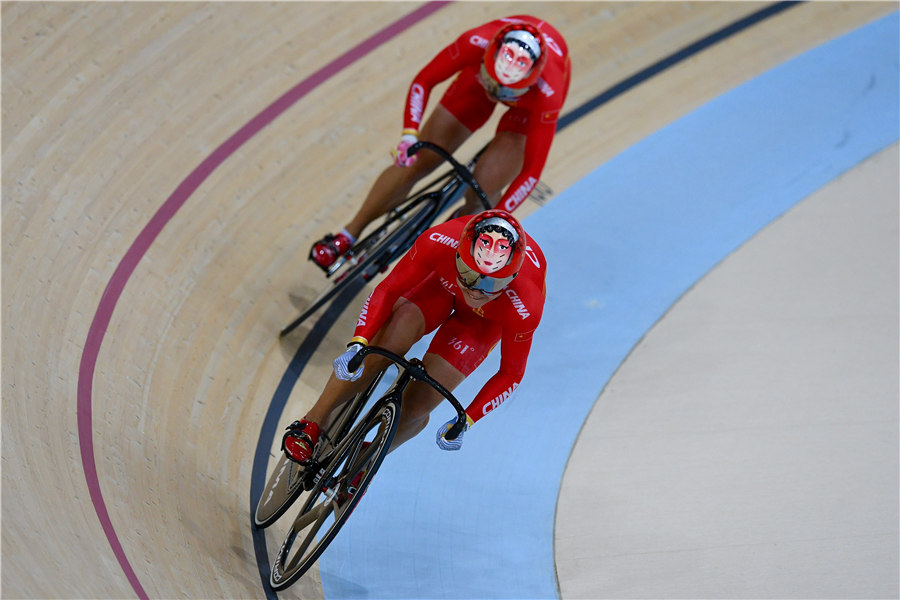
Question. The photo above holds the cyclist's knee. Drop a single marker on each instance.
(474, 205)
(417, 423)
(415, 417)
(426, 162)
(418, 402)
(497, 167)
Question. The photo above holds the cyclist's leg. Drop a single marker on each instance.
(501, 161)
(459, 346)
(420, 399)
(422, 309)
(394, 184)
(404, 328)
(463, 109)
(496, 168)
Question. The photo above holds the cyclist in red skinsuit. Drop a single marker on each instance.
(521, 62)
(478, 280)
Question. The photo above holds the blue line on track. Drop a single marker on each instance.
(623, 245)
(317, 335)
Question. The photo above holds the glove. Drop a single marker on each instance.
(340, 364)
(445, 444)
(408, 138)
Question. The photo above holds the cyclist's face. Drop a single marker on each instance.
(492, 251)
(512, 64)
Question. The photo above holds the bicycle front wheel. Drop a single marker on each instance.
(338, 488)
(283, 487)
(289, 479)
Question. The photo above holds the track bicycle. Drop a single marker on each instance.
(349, 453)
(372, 254)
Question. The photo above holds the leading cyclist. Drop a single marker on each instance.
(521, 62)
(478, 280)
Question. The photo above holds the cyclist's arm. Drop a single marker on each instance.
(537, 146)
(544, 113)
(514, 349)
(515, 341)
(410, 270)
(443, 66)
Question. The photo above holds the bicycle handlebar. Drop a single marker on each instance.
(417, 371)
(460, 169)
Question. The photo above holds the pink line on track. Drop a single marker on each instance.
(142, 243)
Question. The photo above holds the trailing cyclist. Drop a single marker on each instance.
(477, 280)
(521, 62)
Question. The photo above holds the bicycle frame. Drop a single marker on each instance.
(413, 370)
(398, 231)
(439, 200)
(343, 472)
(410, 370)
(444, 197)
(288, 480)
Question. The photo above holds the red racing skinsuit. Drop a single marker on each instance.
(426, 276)
(533, 114)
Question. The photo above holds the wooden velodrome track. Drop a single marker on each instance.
(157, 212)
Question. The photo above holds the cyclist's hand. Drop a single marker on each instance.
(445, 444)
(401, 159)
(340, 364)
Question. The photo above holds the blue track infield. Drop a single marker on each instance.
(623, 245)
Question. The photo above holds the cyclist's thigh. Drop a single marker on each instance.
(420, 398)
(418, 311)
(404, 327)
(465, 340)
(466, 101)
(514, 120)
(434, 302)
(443, 129)
(499, 164)
(440, 128)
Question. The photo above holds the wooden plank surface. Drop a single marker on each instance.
(106, 109)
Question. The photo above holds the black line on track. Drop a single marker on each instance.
(670, 61)
(267, 433)
(323, 324)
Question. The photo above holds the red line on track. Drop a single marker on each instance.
(142, 243)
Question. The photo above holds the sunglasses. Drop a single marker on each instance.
(473, 280)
